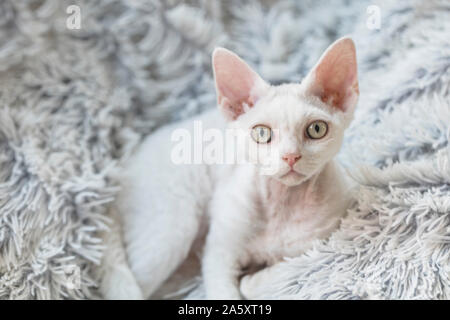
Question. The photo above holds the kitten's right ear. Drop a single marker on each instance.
(236, 83)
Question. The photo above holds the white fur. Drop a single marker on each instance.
(253, 219)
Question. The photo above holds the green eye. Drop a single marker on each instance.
(261, 134)
(318, 129)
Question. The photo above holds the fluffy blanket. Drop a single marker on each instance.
(74, 102)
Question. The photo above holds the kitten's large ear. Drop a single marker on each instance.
(236, 83)
(334, 79)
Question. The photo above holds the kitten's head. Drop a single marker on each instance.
(296, 128)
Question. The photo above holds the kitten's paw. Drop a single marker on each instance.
(254, 286)
(247, 287)
(120, 284)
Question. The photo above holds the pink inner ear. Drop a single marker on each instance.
(335, 79)
(236, 83)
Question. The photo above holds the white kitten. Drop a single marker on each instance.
(255, 217)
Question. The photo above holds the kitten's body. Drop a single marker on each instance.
(254, 219)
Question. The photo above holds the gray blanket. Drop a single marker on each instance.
(76, 99)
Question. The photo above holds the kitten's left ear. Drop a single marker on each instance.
(334, 79)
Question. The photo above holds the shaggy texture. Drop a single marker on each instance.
(75, 103)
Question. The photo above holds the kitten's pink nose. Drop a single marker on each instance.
(291, 158)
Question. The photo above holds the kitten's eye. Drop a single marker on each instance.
(261, 134)
(316, 130)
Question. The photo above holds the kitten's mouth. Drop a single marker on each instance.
(292, 173)
(292, 178)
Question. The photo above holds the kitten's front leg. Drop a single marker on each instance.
(225, 248)
(220, 272)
